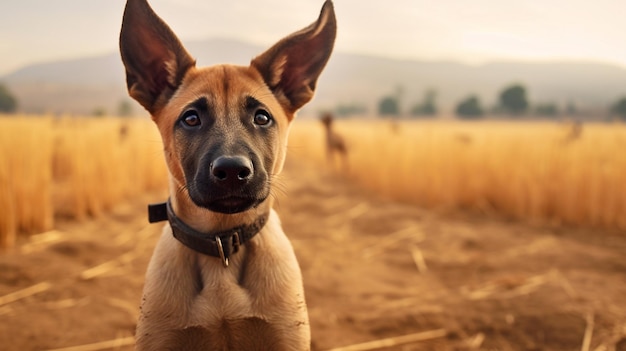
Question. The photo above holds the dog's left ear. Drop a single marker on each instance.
(291, 67)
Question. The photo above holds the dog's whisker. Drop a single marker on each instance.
(279, 188)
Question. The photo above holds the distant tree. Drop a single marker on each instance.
(469, 108)
(125, 108)
(619, 108)
(345, 110)
(427, 106)
(513, 99)
(8, 103)
(570, 108)
(546, 110)
(399, 96)
(388, 106)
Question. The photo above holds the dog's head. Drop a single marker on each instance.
(224, 127)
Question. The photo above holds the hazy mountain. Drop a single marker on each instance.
(83, 84)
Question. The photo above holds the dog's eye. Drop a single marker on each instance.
(191, 119)
(262, 118)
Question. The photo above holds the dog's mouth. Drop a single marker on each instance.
(231, 204)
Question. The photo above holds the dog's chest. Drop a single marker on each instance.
(254, 287)
(224, 294)
(192, 300)
(230, 312)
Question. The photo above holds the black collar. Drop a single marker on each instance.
(220, 244)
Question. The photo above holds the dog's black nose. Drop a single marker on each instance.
(232, 170)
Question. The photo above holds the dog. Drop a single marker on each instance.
(223, 275)
(335, 143)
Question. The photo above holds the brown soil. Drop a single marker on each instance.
(373, 270)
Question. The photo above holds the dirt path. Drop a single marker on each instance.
(373, 270)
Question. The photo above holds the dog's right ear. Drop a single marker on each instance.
(291, 67)
(155, 60)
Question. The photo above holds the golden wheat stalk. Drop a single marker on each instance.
(72, 167)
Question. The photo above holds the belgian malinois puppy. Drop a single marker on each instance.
(223, 275)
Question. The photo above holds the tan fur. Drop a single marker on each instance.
(191, 301)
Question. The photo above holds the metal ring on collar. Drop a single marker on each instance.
(220, 249)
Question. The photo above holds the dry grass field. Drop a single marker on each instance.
(379, 274)
(72, 167)
(542, 172)
(539, 172)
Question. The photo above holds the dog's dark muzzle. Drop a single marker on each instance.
(229, 184)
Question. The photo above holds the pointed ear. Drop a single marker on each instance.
(291, 67)
(155, 60)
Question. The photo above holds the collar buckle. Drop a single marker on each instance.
(236, 241)
(220, 249)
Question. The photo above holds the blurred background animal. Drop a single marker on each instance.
(335, 143)
(575, 132)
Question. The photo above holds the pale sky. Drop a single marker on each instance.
(469, 31)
